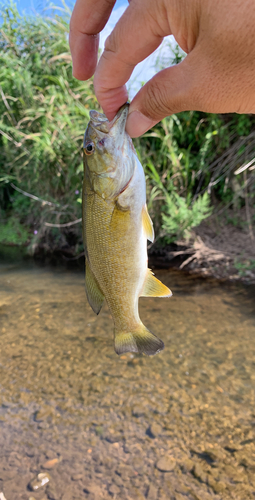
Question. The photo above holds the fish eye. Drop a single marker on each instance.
(89, 148)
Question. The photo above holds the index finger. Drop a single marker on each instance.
(88, 18)
(136, 35)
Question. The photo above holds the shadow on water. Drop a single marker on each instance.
(178, 426)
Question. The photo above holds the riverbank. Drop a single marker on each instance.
(220, 247)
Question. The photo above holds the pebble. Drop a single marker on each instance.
(76, 477)
(137, 411)
(219, 487)
(39, 481)
(154, 430)
(50, 464)
(114, 489)
(187, 465)
(51, 492)
(152, 492)
(93, 488)
(199, 473)
(166, 464)
(6, 475)
(42, 415)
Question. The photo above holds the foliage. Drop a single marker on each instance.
(13, 232)
(180, 217)
(245, 268)
(43, 114)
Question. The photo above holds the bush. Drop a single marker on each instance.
(43, 115)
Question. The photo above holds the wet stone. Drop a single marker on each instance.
(166, 464)
(39, 481)
(50, 464)
(152, 493)
(43, 414)
(211, 481)
(114, 438)
(6, 475)
(77, 477)
(215, 454)
(219, 487)
(187, 465)
(179, 496)
(199, 473)
(114, 489)
(51, 492)
(154, 430)
(138, 412)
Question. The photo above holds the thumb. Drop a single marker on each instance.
(170, 91)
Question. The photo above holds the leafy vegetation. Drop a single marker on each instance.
(43, 114)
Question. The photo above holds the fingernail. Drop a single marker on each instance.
(137, 124)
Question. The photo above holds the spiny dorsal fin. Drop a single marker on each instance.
(153, 287)
(94, 294)
(147, 224)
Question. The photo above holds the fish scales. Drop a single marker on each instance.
(116, 226)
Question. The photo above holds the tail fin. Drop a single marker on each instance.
(139, 340)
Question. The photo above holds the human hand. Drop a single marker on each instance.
(216, 76)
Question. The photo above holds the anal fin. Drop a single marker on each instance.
(94, 294)
(147, 224)
(153, 287)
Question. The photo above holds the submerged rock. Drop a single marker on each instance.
(166, 464)
(39, 481)
(50, 464)
(154, 430)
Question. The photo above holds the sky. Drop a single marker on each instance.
(143, 71)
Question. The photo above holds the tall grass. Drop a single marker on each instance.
(43, 114)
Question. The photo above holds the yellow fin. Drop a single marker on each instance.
(153, 287)
(147, 224)
(94, 294)
(139, 340)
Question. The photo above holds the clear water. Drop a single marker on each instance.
(176, 426)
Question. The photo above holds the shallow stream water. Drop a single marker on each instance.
(177, 426)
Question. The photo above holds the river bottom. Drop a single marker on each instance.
(176, 426)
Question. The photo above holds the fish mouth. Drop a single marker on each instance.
(102, 124)
(120, 118)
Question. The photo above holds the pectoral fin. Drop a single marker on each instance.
(120, 220)
(147, 224)
(153, 287)
(94, 294)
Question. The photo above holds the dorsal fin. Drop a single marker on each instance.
(153, 287)
(147, 224)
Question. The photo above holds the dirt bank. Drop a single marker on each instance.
(221, 247)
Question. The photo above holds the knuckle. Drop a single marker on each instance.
(156, 100)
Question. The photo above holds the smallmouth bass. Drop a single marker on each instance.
(116, 226)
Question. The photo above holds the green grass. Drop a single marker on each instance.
(43, 115)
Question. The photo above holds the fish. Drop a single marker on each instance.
(116, 226)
